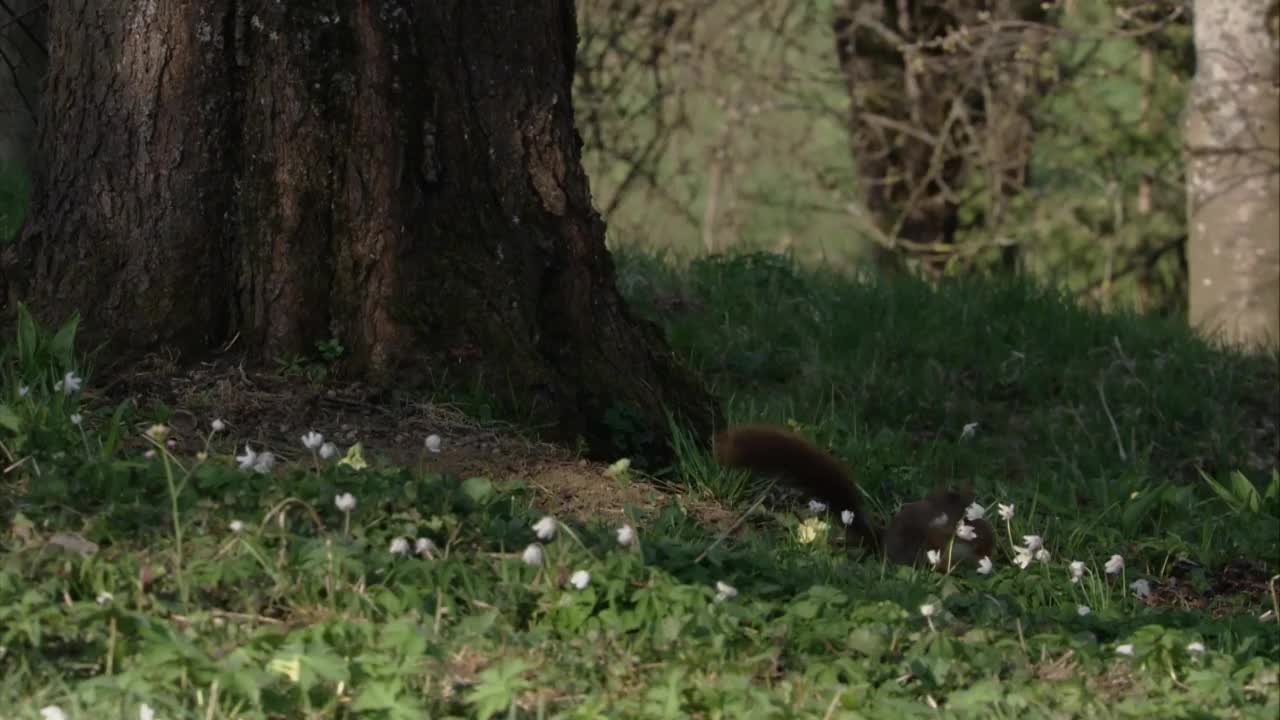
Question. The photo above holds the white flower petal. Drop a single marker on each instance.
(1141, 587)
(433, 443)
(264, 462)
(532, 555)
(248, 459)
(346, 502)
(1114, 565)
(545, 528)
(725, 591)
(626, 535)
(71, 383)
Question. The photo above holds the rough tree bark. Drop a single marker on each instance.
(1232, 142)
(403, 176)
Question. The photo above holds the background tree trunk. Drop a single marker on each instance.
(938, 115)
(402, 176)
(1232, 135)
(23, 62)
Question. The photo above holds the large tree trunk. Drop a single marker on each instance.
(1232, 136)
(403, 176)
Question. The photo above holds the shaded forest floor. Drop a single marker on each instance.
(157, 570)
(271, 410)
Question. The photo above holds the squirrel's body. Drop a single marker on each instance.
(920, 526)
(929, 524)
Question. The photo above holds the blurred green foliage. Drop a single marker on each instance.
(726, 126)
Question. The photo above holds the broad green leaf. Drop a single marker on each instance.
(9, 419)
(28, 335)
(1245, 492)
(478, 489)
(62, 346)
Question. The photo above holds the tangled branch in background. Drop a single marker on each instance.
(16, 56)
(1030, 137)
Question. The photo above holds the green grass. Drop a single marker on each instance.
(1108, 418)
(306, 613)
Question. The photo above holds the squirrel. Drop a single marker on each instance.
(920, 526)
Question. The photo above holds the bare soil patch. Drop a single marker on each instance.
(272, 411)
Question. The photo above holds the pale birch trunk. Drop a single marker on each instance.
(1232, 140)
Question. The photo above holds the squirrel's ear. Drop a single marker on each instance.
(963, 494)
(940, 491)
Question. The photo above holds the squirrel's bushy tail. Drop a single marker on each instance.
(800, 464)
